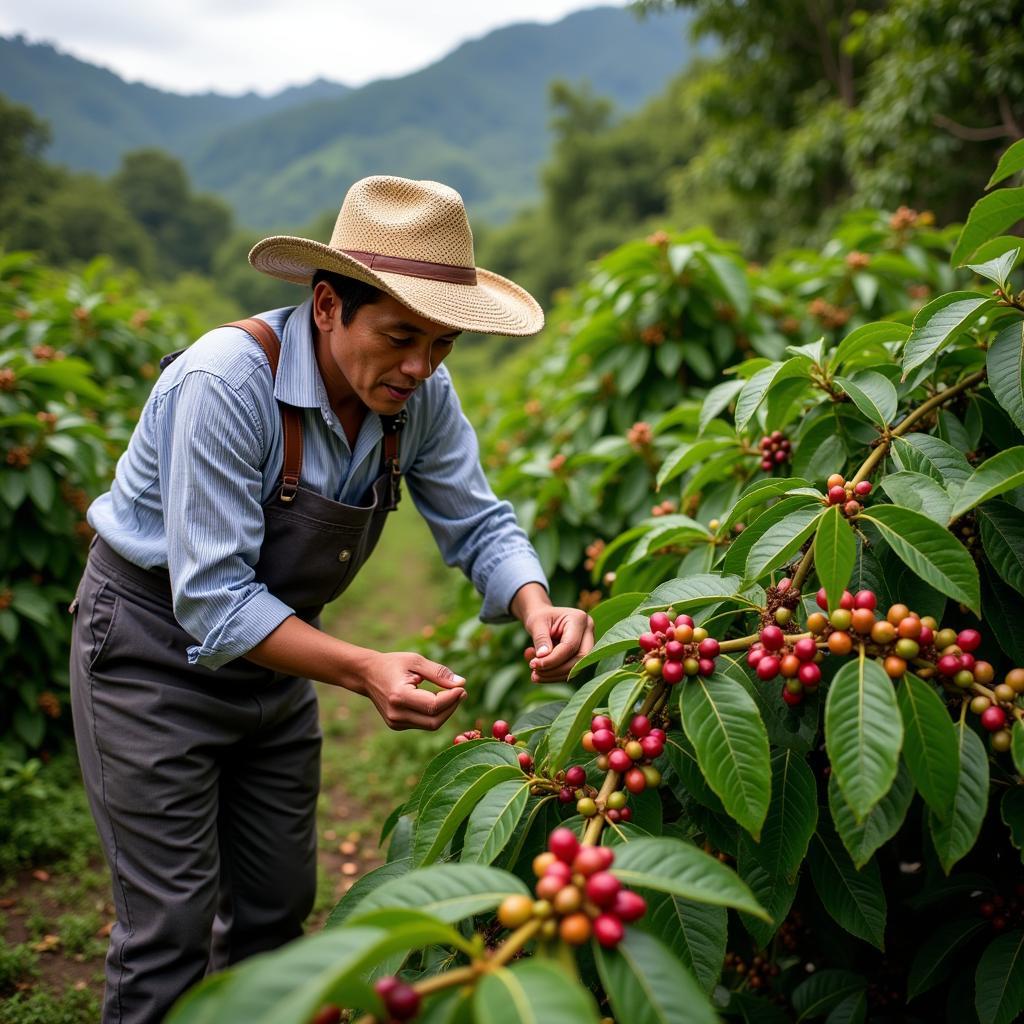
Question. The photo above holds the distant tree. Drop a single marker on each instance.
(26, 179)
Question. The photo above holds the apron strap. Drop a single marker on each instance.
(392, 426)
(291, 422)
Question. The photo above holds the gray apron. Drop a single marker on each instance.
(203, 784)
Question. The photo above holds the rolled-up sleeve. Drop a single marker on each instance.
(472, 528)
(211, 480)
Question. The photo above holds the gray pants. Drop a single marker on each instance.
(203, 790)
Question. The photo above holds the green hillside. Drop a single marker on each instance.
(477, 118)
(95, 116)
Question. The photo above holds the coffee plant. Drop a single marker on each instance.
(78, 354)
(792, 787)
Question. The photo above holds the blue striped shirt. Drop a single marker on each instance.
(207, 452)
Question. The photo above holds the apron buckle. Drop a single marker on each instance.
(289, 487)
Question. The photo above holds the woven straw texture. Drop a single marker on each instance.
(416, 220)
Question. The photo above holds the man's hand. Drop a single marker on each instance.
(392, 682)
(561, 636)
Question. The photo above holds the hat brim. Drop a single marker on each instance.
(494, 305)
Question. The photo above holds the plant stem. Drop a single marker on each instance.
(513, 944)
(447, 979)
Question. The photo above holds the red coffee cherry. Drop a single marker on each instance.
(993, 719)
(648, 641)
(660, 622)
(608, 930)
(525, 761)
(652, 746)
(672, 672)
(809, 674)
(836, 495)
(575, 776)
(564, 844)
(500, 729)
(755, 654)
(675, 651)
(604, 740)
(602, 722)
(640, 726)
(805, 649)
(401, 1001)
(706, 666)
(636, 781)
(772, 637)
(968, 639)
(619, 760)
(592, 859)
(629, 906)
(602, 888)
(708, 648)
(684, 620)
(791, 698)
(822, 600)
(863, 488)
(768, 667)
(327, 1015)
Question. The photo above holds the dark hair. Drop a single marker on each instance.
(352, 293)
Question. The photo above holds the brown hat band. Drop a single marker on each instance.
(414, 268)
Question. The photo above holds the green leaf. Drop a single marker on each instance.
(792, 816)
(722, 722)
(929, 743)
(573, 721)
(443, 767)
(923, 453)
(999, 979)
(774, 892)
(13, 487)
(942, 321)
(1005, 365)
(622, 700)
(997, 475)
(683, 759)
(1011, 162)
(442, 814)
(928, 550)
(1002, 537)
(449, 892)
(824, 990)
(754, 1009)
(346, 907)
(681, 869)
(691, 592)
(1017, 746)
(854, 899)
(954, 837)
(869, 336)
(991, 215)
(934, 957)
(731, 277)
(757, 493)
(835, 552)
(28, 602)
(852, 1010)
(717, 400)
(880, 825)
(689, 454)
(863, 733)
(695, 932)
(1011, 810)
(646, 984)
(921, 493)
(42, 488)
(736, 554)
(755, 389)
(533, 991)
(621, 637)
(998, 269)
(612, 609)
(492, 822)
(781, 541)
(873, 394)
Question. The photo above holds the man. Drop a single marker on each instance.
(254, 487)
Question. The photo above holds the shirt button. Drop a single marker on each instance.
(344, 554)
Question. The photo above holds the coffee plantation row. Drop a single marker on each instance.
(790, 786)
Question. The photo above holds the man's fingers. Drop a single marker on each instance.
(566, 648)
(409, 698)
(439, 674)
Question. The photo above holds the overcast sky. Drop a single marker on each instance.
(232, 46)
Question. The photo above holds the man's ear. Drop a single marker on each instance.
(325, 307)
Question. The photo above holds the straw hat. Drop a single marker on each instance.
(412, 240)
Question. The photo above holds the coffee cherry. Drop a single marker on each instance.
(684, 634)
(649, 642)
(652, 747)
(575, 776)
(401, 1001)
(863, 488)
(619, 760)
(865, 599)
(515, 911)
(659, 622)
(684, 620)
(616, 800)
(634, 750)
(772, 637)
(980, 704)
(691, 666)
(549, 887)
(328, 1014)
(768, 667)
(1003, 693)
(910, 627)
(593, 858)
(651, 776)
(613, 816)
(542, 909)
(783, 616)
(602, 722)
(675, 651)
(816, 622)
(805, 649)
(542, 862)
(604, 740)
(629, 906)
(907, 648)
(1001, 741)
(635, 780)
(706, 666)
(672, 672)
(755, 654)
(895, 668)
(993, 719)
(963, 679)
(608, 930)
(626, 813)
(792, 699)
(836, 480)
(586, 807)
(575, 929)
(862, 620)
(948, 665)
(840, 643)
(564, 844)
(602, 762)
(852, 508)
(897, 613)
(652, 666)
(500, 729)
(700, 634)
(809, 674)
(566, 795)
(461, 738)
(841, 618)
(836, 494)
(510, 740)
(789, 665)
(640, 726)
(945, 638)
(525, 761)
(708, 648)
(602, 888)
(1015, 679)
(927, 636)
(588, 743)
(984, 673)
(968, 639)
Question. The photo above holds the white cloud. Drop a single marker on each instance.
(236, 45)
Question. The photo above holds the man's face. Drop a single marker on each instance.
(384, 354)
